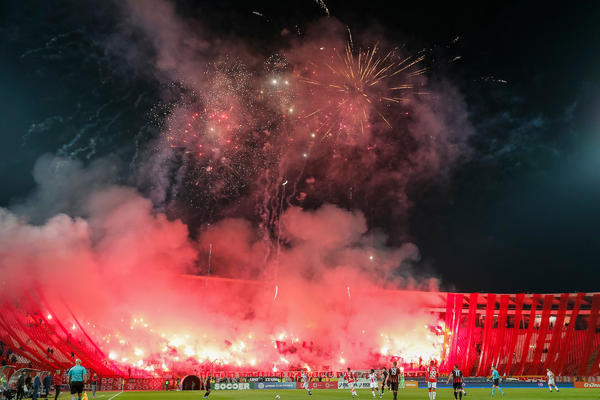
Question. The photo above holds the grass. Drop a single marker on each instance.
(405, 394)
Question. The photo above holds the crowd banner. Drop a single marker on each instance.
(513, 338)
(526, 378)
(111, 384)
(274, 385)
(448, 324)
(589, 337)
(231, 386)
(536, 367)
(471, 353)
(567, 341)
(263, 379)
(557, 330)
(487, 327)
(318, 385)
(499, 343)
(587, 378)
(530, 328)
(454, 352)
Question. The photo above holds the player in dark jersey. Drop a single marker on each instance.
(394, 378)
(384, 374)
(206, 386)
(457, 381)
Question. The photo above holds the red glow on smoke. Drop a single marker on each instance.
(120, 274)
(289, 288)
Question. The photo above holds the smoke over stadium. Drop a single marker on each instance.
(230, 189)
(266, 183)
(327, 307)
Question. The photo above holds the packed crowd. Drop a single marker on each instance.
(7, 355)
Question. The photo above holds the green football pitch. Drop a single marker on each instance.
(406, 394)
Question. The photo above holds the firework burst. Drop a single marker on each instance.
(219, 134)
(357, 85)
(255, 126)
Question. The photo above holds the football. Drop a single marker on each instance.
(277, 397)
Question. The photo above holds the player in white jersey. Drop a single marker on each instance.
(373, 382)
(305, 380)
(551, 382)
(431, 377)
(351, 378)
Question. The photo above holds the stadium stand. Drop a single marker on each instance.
(521, 334)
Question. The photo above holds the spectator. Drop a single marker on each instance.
(37, 384)
(47, 384)
(57, 383)
(77, 377)
(94, 384)
(27, 382)
(8, 393)
(21, 386)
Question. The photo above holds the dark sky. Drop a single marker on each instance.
(522, 214)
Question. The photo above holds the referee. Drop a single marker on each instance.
(77, 377)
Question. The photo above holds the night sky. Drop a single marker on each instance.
(521, 213)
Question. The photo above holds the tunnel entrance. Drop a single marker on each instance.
(190, 382)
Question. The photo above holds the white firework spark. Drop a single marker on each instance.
(322, 4)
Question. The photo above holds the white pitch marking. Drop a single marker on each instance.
(115, 395)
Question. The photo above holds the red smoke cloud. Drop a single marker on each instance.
(121, 268)
(277, 181)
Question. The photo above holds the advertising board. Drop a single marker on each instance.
(231, 386)
(318, 385)
(274, 385)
